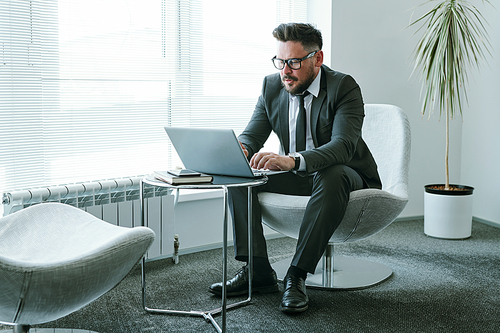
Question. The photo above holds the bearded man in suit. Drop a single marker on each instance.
(321, 146)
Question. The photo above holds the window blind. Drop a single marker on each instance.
(86, 86)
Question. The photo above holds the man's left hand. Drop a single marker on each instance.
(272, 161)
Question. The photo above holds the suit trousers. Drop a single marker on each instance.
(329, 189)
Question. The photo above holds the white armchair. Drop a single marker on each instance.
(55, 259)
(386, 131)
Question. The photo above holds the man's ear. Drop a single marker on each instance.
(319, 59)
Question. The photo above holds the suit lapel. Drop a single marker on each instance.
(316, 107)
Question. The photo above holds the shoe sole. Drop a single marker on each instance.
(293, 310)
(262, 290)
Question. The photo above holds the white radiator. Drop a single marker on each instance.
(115, 201)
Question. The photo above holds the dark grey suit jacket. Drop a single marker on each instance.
(336, 120)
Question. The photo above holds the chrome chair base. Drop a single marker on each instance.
(347, 273)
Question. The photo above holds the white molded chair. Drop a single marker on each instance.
(55, 259)
(386, 131)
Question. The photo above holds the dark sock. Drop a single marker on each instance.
(295, 271)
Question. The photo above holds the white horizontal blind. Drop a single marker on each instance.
(86, 86)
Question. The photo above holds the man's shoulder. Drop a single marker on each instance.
(333, 74)
(272, 87)
(273, 79)
(336, 77)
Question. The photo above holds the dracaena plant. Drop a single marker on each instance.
(454, 40)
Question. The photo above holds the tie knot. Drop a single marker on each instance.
(303, 95)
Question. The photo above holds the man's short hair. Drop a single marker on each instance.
(304, 33)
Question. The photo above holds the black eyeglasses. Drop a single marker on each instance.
(293, 63)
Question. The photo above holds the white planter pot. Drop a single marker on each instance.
(448, 215)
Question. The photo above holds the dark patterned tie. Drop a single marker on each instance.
(300, 125)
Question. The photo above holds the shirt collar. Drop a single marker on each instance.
(315, 85)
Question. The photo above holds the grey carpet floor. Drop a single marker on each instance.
(437, 286)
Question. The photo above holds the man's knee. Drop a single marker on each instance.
(338, 176)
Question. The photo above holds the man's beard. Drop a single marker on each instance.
(301, 87)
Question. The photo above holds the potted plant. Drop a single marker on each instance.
(454, 40)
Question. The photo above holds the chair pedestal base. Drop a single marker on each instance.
(347, 273)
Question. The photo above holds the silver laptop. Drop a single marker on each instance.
(213, 151)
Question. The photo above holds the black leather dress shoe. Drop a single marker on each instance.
(294, 298)
(238, 285)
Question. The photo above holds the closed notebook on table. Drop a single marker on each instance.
(167, 177)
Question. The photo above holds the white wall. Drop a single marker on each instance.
(319, 13)
(481, 137)
(370, 41)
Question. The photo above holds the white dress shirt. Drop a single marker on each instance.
(293, 111)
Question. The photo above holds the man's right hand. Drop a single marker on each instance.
(272, 161)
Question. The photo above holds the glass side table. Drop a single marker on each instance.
(222, 183)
